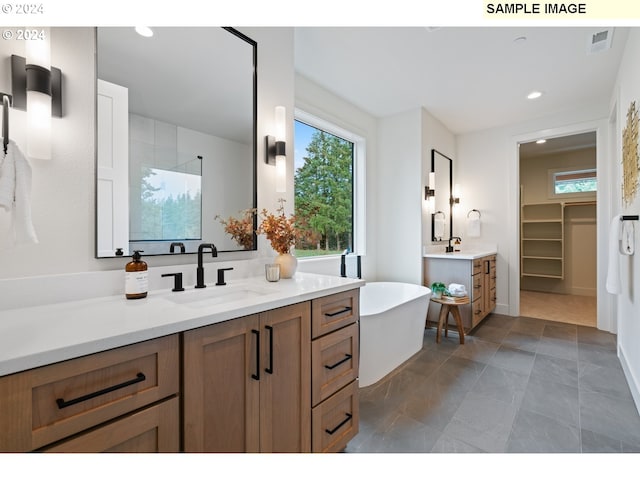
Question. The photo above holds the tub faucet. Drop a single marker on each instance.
(449, 248)
(173, 245)
(200, 269)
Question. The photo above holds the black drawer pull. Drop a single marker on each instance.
(331, 432)
(346, 358)
(344, 310)
(62, 404)
(269, 369)
(256, 376)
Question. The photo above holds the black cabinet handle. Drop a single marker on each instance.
(346, 358)
(334, 430)
(64, 404)
(344, 310)
(256, 376)
(270, 368)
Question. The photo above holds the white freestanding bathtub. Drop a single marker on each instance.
(392, 320)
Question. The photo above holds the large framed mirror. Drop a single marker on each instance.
(442, 215)
(176, 138)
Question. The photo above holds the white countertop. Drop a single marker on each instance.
(35, 336)
(462, 255)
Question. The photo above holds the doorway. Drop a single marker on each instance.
(558, 229)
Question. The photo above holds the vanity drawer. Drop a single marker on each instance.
(477, 266)
(47, 404)
(335, 421)
(477, 311)
(334, 362)
(150, 430)
(334, 311)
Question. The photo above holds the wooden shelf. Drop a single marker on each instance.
(542, 240)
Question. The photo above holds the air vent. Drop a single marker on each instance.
(599, 41)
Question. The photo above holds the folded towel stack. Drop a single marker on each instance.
(457, 290)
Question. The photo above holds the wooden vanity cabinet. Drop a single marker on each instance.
(335, 353)
(123, 399)
(477, 275)
(246, 383)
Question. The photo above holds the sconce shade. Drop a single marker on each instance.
(276, 149)
(281, 173)
(281, 124)
(38, 125)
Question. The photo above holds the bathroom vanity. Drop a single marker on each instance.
(248, 367)
(476, 270)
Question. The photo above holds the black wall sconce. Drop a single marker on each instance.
(276, 149)
(35, 78)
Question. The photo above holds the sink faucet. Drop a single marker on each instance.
(200, 269)
(449, 248)
(176, 244)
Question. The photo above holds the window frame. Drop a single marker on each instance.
(358, 180)
(552, 173)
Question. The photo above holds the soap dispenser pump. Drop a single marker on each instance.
(136, 277)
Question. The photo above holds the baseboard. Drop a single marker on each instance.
(634, 385)
(583, 291)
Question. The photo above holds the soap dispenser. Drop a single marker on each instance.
(136, 279)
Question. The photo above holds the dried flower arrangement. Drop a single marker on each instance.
(279, 230)
(241, 230)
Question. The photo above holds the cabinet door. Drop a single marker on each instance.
(151, 430)
(285, 397)
(221, 387)
(489, 284)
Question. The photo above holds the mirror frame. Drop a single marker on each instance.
(254, 48)
(451, 201)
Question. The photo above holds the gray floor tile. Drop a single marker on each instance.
(530, 326)
(502, 385)
(447, 444)
(512, 359)
(596, 337)
(598, 355)
(598, 443)
(536, 433)
(555, 369)
(607, 380)
(561, 331)
(521, 341)
(517, 385)
(555, 400)
(477, 349)
(483, 423)
(556, 347)
(615, 418)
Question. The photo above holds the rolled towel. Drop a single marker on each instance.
(457, 290)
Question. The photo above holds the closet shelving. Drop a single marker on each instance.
(542, 240)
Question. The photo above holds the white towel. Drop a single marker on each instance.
(457, 290)
(15, 193)
(613, 271)
(438, 227)
(627, 238)
(473, 227)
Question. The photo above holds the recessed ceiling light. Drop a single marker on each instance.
(542, 140)
(144, 31)
(534, 94)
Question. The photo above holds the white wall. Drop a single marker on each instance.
(63, 189)
(628, 303)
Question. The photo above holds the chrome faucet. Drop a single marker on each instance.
(449, 248)
(200, 269)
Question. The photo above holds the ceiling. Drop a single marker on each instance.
(470, 78)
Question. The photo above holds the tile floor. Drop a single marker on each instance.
(576, 309)
(517, 385)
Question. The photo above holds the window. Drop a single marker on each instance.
(326, 158)
(574, 182)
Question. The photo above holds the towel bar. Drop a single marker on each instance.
(624, 218)
(6, 103)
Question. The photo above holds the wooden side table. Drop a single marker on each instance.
(450, 305)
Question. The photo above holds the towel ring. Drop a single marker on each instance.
(6, 103)
(474, 210)
(440, 212)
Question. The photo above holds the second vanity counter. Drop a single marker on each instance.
(41, 335)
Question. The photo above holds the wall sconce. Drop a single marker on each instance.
(276, 149)
(455, 195)
(429, 192)
(37, 88)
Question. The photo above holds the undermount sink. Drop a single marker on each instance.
(216, 295)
